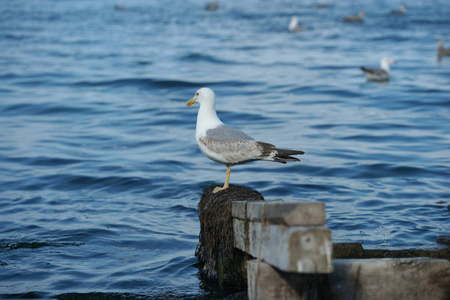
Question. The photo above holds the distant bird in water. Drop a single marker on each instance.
(358, 18)
(293, 25)
(401, 10)
(212, 6)
(119, 7)
(441, 50)
(322, 5)
(379, 74)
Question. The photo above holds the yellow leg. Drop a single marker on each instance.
(227, 180)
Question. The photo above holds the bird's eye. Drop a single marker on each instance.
(196, 94)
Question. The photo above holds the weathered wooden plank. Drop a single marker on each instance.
(280, 212)
(239, 209)
(358, 279)
(290, 249)
(265, 283)
(354, 250)
(390, 278)
(240, 234)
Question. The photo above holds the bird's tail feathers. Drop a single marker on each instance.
(281, 155)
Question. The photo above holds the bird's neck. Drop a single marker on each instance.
(206, 119)
(385, 66)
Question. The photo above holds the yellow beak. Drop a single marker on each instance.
(190, 102)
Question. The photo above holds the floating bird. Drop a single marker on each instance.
(379, 74)
(120, 7)
(227, 145)
(321, 5)
(212, 6)
(441, 50)
(401, 10)
(358, 18)
(293, 25)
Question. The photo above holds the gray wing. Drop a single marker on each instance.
(233, 145)
(227, 134)
(378, 72)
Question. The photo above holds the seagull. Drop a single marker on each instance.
(441, 50)
(401, 10)
(358, 18)
(212, 6)
(120, 7)
(379, 74)
(293, 25)
(322, 5)
(229, 146)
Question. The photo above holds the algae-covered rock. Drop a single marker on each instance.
(219, 262)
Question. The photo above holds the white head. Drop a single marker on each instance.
(386, 62)
(362, 13)
(440, 43)
(402, 8)
(203, 96)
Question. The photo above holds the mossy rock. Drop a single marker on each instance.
(219, 262)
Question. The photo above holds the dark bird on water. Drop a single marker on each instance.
(381, 74)
(401, 10)
(212, 6)
(441, 50)
(358, 18)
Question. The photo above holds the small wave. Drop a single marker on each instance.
(17, 37)
(142, 82)
(199, 57)
(44, 109)
(41, 161)
(385, 138)
(149, 83)
(383, 170)
(27, 295)
(35, 245)
(430, 21)
(182, 208)
(391, 38)
(61, 182)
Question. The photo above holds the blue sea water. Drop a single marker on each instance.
(100, 176)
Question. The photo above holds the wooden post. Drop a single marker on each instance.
(287, 235)
(294, 259)
(391, 278)
(291, 245)
(266, 282)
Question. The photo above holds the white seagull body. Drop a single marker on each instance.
(401, 10)
(229, 146)
(358, 18)
(293, 25)
(379, 74)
